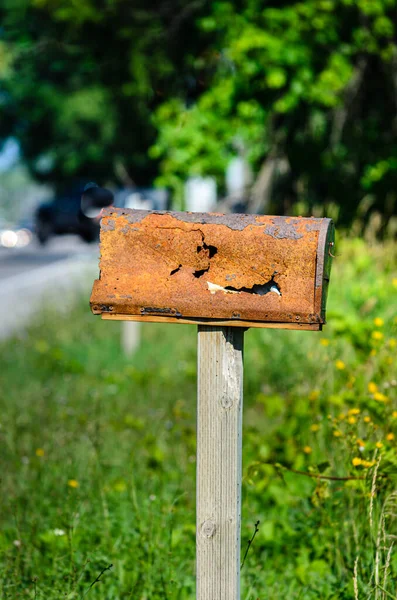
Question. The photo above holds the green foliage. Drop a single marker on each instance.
(104, 89)
(98, 452)
(80, 81)
(312, 81)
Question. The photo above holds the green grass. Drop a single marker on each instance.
(98, 453)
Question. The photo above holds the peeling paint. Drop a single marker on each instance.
(109, 225)
(213, 288)
(313, 224)
(282, 229)
(235, 222)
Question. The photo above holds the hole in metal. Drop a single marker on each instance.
(175, 270)
(200, 273)
(259, 289)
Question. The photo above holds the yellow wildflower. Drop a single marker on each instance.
(378, 322)
(73, 483)
(357, 461)
(390, 437)
(368, 463)
(314, 427)
(314, 394)
(360, 442)
(394, 414)
(379, 397)
(324, 342)
(337, 433)
(373, 352)
(392, 343)
(377, 335)
(340, 365)
(352, 420)
(341, 416)
(40, 452)
(379, 445)
(354, 411)
(307, 450)
(372, 387)
(120, 486)
(394, 282)
(367, 419)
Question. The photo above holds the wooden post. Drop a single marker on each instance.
(130, 337)
(219, 444)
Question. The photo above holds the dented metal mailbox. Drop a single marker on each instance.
(241, 270)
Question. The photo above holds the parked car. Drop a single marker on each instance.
(63, 215)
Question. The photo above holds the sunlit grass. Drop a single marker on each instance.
(98, 452)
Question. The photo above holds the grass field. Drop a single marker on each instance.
(98, 453)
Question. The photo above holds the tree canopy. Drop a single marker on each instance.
(80, 81)
(171, 89)
(313, 83)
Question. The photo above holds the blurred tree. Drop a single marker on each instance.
(307, 91)
(79, 81)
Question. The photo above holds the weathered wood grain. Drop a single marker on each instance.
(219, 442)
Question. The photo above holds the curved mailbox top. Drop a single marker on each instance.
(242, 270)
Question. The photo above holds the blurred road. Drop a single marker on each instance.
(34, 277)
(16, 261)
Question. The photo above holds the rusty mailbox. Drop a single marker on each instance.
(234, 270)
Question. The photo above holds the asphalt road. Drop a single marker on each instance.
(34, 277)
(17, 261)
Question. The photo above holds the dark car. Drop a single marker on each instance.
(64, 215)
